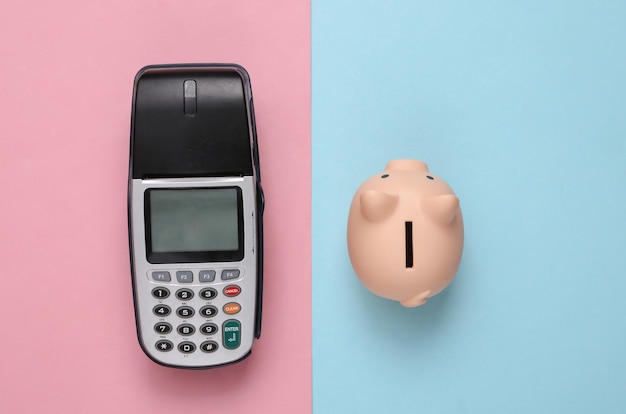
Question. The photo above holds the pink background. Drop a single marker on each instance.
(68, 330)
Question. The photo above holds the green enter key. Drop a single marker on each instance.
(231, 334)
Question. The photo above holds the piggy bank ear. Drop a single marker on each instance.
(443, 209)
(376, 205)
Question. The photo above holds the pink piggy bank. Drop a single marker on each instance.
(405, 233)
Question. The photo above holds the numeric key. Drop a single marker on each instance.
(208, 293)
(185, 311)
(160, 292)
(184, 294)
(186, 329)
(208, 328)
(186, 347)
(208, 311)
(161, 310)
(163, 328)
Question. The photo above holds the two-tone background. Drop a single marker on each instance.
(520, 106)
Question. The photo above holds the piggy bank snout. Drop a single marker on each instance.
(406, 165)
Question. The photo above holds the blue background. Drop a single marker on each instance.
(521, 108)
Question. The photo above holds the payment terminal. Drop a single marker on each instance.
(195, 215)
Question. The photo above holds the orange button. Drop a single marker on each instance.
(232, 308)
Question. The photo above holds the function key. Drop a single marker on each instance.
(161, 276)
(208, 311)
(184, 294)
(160, 292)
(209, 346)
(184, 276)
(186, 347)
(185, 312)
(163, 328)
(206, 275)
(161, 310)
(186, 329)
(228, 274)
(164, 345)
(208, 293)
(208, 328)
(232, 290)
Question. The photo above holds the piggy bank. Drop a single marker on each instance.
(405, 233)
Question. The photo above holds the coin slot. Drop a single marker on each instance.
(408, 236)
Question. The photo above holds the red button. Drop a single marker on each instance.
(232, 290)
